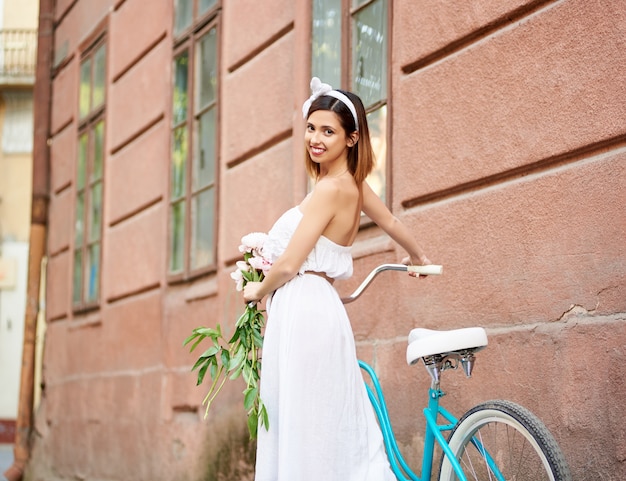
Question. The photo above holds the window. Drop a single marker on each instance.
(188, 13)
(193, 173)
(17, 129)
(363, 70)
(89, 177)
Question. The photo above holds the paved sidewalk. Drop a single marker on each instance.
(6, 459)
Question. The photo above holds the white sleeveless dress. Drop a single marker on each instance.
(322, 425)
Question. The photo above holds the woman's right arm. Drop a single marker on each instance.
(376, 210)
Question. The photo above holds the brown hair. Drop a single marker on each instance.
(361, 155)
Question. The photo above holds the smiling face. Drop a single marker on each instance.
(325, 139)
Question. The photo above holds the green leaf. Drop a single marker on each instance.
(200, 362)
(207, 332)
(258, 339)
(237, 360)
(249, 396)
(225, 358)
(195, 344)
(211, 351)
(244, 320)
(235, 337)
(236, 373)
(189, 339)
(201, 373)
(253, 421)
(247, 374)
(265, 419)
(229, 360)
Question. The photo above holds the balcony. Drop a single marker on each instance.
(18, 54)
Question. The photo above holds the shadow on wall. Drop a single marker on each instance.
(230, 453)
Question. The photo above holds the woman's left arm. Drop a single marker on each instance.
(376, 210)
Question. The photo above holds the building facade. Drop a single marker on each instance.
(18, 45)
(175, 128)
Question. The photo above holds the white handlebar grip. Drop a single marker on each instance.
(428, 270)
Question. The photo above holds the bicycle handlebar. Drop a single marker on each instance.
(424, 270)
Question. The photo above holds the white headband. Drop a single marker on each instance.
(319, 89)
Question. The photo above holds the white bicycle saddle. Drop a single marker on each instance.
(427, 342)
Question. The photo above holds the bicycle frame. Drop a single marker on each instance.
(431, 413)
(433, 433)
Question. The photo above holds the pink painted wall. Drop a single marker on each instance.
(508, 162)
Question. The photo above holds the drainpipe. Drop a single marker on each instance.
(37, 243)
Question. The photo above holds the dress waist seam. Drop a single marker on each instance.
(323, 275)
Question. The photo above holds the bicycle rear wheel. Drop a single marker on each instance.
(500, 440)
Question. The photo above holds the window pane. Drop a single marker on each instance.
(177, 236)
(181, 68)
(92, 270)
(98, 153)
(95, 212)
(84, 101)
(179, 162)
(183, 12)
(206, 69)
(326, 41)
(204, 151)
(205, 5)
(83, 142)
(18, 122)
(202, 217)
(99, 74)
(79, 222)
(377, 121)
(369, 50)
(77, 279)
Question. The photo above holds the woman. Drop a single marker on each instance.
(322, 425)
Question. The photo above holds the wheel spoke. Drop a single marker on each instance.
(508, 436)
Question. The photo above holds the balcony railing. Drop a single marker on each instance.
(18, 53)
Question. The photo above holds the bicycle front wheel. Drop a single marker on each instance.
(500, 440)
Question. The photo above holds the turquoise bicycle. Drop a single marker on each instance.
(495, 440)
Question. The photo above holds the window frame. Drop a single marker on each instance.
(198, 21)
(87, 125)
(189, 41)
(351, 13)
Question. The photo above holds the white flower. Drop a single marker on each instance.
(237, 274)
(254, 266)
(260, 263)
(242, 266)
(253, 242)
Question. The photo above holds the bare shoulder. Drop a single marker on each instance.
(328, 188)
(324, 197)
(343, 188)
(331, 195)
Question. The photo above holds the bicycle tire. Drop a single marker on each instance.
(518, 442)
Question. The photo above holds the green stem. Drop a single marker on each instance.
(208, 404)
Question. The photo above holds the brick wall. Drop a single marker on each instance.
(507, 151)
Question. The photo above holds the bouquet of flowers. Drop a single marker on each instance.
(240, 355)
